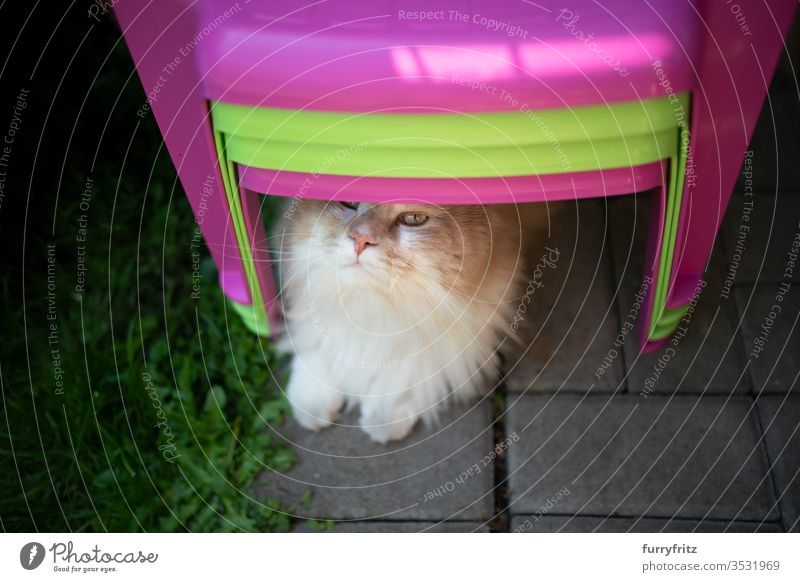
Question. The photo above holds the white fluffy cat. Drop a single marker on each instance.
(395, 308)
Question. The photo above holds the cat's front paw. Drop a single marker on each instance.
(315, 405)
(390, 424)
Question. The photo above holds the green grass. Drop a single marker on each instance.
(136, 350)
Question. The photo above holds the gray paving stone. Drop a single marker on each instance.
(780, 418)
(697, 458)
(571, 318)
(758, 231)
(774, 368)
(708, 358)
(399, 527)
(579, 524)
(351, 477)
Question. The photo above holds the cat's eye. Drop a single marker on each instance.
(413, 219)
(350, 205)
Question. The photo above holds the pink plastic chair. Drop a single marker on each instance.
(380, 56)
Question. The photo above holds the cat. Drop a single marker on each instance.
(396, 308)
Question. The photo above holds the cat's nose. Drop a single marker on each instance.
(362, 239)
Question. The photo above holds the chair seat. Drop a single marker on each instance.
(516, 189)
(465, 56)
(451, 145)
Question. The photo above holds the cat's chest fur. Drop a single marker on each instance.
(396, 309)
(382, 345)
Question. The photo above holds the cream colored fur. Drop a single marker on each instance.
(415, 322)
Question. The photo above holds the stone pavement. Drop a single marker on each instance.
(588, 436)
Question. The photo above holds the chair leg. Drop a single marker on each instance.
(725, 109)
(260, 252)
(182, 115)
(655, 234)
(251, 242)
(663, 307)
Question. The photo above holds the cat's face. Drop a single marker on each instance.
(392, 247)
